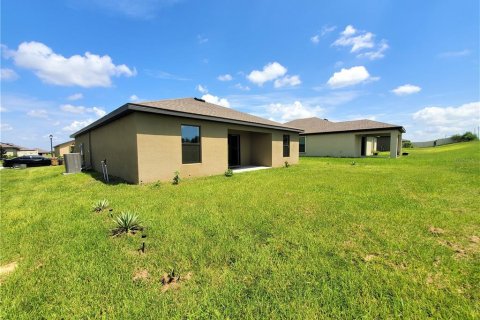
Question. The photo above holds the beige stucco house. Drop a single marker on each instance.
(149, 141)
(356, 138)
(65, 147)
(11, 150)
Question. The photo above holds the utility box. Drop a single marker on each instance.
(73, 162)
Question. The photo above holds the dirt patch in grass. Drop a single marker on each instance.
(369, 257)
(173, 282)
(459, 251)
(7, 269)
(474, 239)
(436, 231)
(140, 275)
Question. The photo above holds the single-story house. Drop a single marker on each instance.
(148, 141)
(43, 153)
(358, 138)
(12, 150)
(62, 148)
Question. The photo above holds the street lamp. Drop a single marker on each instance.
(51, 145)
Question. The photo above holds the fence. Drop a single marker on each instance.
(433, 143)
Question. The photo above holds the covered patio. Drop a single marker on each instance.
(248, 149)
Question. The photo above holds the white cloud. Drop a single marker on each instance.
(202, 39)
(75, 96)
(83, 110)
(216, 100)
(406, 89)
(239, 86)
(454, 54)
(89, 70)
(376, 54)
(5, 127)
(325, 30)
(38, 113)
(225, 77)
(287, 112)
(287, 81)
(446, 121)
(270, 72)
(134, 97)
(361, 40)
(350, 77)
(2, 109)
(77, 125)
(8, 74)
(202, 89)
(315, 39)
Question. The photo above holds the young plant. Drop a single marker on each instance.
(229, 173)
(127, 222)
(176, 178)
(287, 164)
(100, 205)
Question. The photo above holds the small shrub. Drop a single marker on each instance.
(156, 184)
(100, 205)
(407, 144)
(176, 178)
(229, 173)
(127, 222)
(353, 163)
(287, 164)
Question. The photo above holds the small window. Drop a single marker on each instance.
(286, 145)
(191, 151)
(301, 145)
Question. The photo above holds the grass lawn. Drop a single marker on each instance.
(382, 238)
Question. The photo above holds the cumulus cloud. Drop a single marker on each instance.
(350, 77)
(216, 100)
(89, 70)
(8, 74)
(439, 122)
(202, 89)
(38, 113)
(75, 96)
(77, 125)
(269, 72)
(287, 112)
(225, 77)
(5, 127)
(290, 81)
(406, 89)
(359, 40)
(83, 110)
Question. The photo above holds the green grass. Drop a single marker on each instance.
(321, 239)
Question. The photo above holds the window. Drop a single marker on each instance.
(191, 152)
(301, 146)
(286, 145)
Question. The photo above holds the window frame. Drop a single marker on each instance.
(190, 144)
(286, 145)
(304, 144)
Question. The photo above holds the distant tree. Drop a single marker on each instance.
(407, 144)
(467, 136)
(3, 152)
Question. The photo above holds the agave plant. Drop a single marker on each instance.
(100, 205)
(127, 222)
(229, 173)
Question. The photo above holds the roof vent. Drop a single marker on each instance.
(325, 119)
(198, 99)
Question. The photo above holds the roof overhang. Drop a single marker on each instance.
(401, 129)
(132, 107)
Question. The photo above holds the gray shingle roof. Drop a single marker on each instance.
(317, 125)
(190, 108)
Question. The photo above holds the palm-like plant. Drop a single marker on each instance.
(100, 205)
(127, 222)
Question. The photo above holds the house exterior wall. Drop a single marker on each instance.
(10, 152)
(116, 142)
(160, 148)
(27, 153)
(61, 149)
(345, 144)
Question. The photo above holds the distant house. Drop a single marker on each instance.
(42, 152)
(346, 139)
(149, 141)
(12, 150)
(65, 147)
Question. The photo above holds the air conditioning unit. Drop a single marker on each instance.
(73, 162)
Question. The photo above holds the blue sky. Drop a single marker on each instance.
(412, 63)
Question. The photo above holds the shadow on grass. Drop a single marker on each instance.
(99, 177)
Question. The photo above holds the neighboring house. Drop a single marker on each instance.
(62, 148)
(43, 153)
(13, 150)
(149, 141)
(346, 139)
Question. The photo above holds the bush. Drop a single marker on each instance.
(127, 222)
(228, 173)
(467, 136)
(407, 144)
(100, 205)
(176, 178)
(287, 164)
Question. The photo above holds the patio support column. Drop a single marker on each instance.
(399, 144)
(393, 144)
